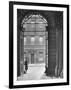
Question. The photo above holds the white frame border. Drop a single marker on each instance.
(28, 82)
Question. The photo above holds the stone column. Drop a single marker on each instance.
(59, 49)
(18, 53)
(50, 69)
(21, 53)
(46, 49)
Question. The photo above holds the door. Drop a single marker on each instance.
(32, 58)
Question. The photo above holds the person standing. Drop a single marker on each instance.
(26, 65)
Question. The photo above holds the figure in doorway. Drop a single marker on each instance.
(26, 65)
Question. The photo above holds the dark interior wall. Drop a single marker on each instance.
(20, 15)
(18, 52)
(55, 22)
(59, 45)
(55, 46)
(60, 59)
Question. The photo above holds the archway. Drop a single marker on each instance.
(35, 40)
(53, 27)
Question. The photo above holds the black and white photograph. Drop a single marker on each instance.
(36, 37)
(39, 44)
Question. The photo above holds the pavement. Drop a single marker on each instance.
(34, 72)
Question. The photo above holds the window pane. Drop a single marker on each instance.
(41, 39)
(25, 40)
(32, 39)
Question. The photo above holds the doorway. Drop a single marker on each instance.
(35, 38)
(32, 58)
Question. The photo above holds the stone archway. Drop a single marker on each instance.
(52, 28)
(36, 39)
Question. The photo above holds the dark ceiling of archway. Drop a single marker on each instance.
(54, 18)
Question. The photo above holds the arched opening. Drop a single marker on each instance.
(34, 36)
(40, 40)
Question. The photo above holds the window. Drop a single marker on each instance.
(40, 59)
(24, 40)
(32, 39)
(40, 39)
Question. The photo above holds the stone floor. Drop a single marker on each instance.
(34, 72)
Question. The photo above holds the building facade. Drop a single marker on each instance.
(34, 38)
